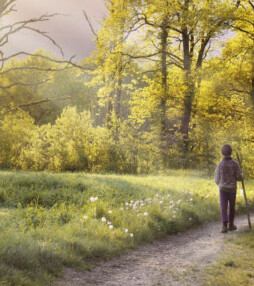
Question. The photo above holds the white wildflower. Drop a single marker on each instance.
(85, 217)
(110, 226)
(145, 214)
(161, 202)
(109, 222)
(190, 199)
(103, 219)
(110, 212)
(126, 230)
(131, 234)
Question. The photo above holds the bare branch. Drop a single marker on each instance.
(46, 36)
(241, 30)
(34, 68)
(35, 103)
(138, 56)
(251, 4)
(90, 24)
(47, 58)
(23, 84)
(18, 26)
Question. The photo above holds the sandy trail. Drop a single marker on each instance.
(175, 260)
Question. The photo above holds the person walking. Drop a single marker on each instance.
(227, 174)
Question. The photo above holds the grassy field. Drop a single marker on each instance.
(52, 220)
(235, 268)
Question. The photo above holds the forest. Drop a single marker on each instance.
(168, 84)
(107, 161)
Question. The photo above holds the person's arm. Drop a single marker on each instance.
(238, 174)
(217, 174)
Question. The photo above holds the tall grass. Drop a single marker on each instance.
(51, 220)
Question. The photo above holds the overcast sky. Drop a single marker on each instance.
(71, 31)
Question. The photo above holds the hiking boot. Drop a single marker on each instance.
(224, 228)
(232, 227)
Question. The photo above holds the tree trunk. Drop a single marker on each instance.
(187, 108)
(252, 80)
(109, 111)
(163, 99)
(119, 90)
(186, 118)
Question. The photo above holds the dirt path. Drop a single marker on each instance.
(175, 260)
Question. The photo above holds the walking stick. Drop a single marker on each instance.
(244, 192)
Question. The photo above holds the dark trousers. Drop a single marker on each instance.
(225, 199)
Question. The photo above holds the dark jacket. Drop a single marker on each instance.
(227, 174)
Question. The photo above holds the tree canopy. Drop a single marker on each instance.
(169, 83)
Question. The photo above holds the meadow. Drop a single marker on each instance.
(49, 221)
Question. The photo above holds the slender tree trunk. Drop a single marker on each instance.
(109, 111)
(119, 89)
(164, 95)
(119, 72)
(189, 95)
(252, 79)
(164, 75)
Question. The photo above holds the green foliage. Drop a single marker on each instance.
(52, 220)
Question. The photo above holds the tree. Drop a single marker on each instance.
(6, 32)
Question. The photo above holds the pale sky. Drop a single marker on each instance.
(71, 31)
